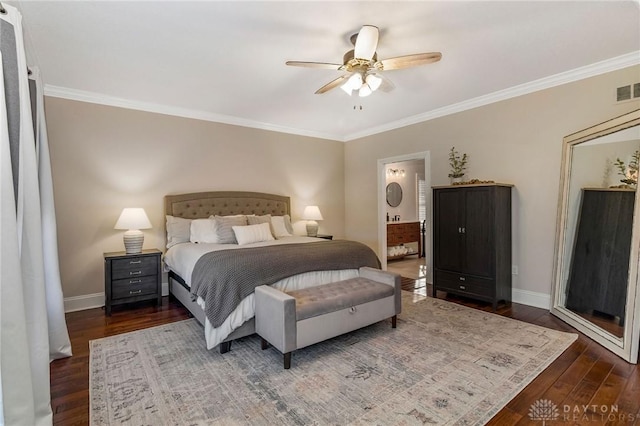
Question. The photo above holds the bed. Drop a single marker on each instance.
(189, 263)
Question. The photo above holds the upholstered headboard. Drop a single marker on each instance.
(199, 205)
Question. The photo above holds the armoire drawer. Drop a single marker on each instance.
(461, 283)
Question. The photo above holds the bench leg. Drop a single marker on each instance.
(287, 360)
(263, 344)
(225, 347)
(393, 321)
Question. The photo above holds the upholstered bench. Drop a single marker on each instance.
(300, 318)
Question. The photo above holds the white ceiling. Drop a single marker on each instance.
(224, 61)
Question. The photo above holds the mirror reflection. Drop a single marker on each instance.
(599, 222)
(394, 194)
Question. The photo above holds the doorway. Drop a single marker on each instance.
(404, 199)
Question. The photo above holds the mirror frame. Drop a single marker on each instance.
(388, 189)
(627, 346)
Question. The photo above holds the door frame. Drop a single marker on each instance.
(382, 203)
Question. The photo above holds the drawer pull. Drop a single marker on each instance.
(463, 279)
(135, 292)
(135, 262)
(135, 273)
(134, 281)
(352, 310)
(462, 287)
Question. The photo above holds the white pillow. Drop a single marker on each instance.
(178, 230)
(203, 231)
(252, 233)
(280, 226)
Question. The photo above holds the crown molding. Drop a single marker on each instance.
(602, 67)
(102, 99)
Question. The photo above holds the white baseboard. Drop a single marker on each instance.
(531, 298)
(80, 303)
(96, 300)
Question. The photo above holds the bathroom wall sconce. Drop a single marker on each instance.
(395, 172)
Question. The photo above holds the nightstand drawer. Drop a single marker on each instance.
(131, 287)
(461, 283)
(134, 267)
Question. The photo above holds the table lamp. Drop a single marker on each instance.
(133, 220)
(311, 214)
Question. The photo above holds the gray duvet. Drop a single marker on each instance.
(224, 278)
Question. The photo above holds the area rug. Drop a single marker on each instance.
(443, 364)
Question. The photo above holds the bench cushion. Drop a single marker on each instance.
(314, 301)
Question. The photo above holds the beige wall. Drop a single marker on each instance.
(105, 158)
(515, 141)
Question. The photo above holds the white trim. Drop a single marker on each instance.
(80, 303)
(95, 300)
(608, 65)
(102, 99)
(382, 201)
(613, 64)
(531, 298)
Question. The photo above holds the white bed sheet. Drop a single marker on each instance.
(182, 258)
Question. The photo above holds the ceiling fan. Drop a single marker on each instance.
(362, 67)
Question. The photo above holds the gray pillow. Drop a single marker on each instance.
(224, 228)
(257, 220)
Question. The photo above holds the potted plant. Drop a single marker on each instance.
(458, 165)
(630, 174)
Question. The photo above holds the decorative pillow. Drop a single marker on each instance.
(178, 230)
(224, 228)
(280, 227)
(256, 220)
(252, 233)
(203, 231)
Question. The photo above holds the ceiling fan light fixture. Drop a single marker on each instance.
(373, 81)
(354, 82)
(347, 89)
(365, 90)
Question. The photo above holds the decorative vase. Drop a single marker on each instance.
(456, 180)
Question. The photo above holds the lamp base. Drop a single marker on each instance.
(312, 228)
(133, 239)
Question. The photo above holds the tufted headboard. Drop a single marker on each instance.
(200, 205)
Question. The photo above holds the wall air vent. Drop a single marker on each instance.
(627, 93)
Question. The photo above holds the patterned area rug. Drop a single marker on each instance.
(444, 364)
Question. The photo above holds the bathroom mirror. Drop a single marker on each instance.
(394, 194)
(595, 285)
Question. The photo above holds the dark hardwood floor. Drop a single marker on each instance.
(587, 379)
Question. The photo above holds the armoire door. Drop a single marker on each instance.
(448, 207)
(479, 244)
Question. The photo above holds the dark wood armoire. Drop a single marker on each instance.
(472, 241)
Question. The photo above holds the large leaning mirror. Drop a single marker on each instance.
(597, 248)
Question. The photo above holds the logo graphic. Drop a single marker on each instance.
(544, 410)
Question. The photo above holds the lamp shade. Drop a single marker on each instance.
(312, 213)
(133, 218)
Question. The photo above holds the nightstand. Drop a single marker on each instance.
(132, 277)
(326, 237)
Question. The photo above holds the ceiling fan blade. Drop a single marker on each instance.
(323, 65)
(367, 42)
(408, 61)
(331, 85)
